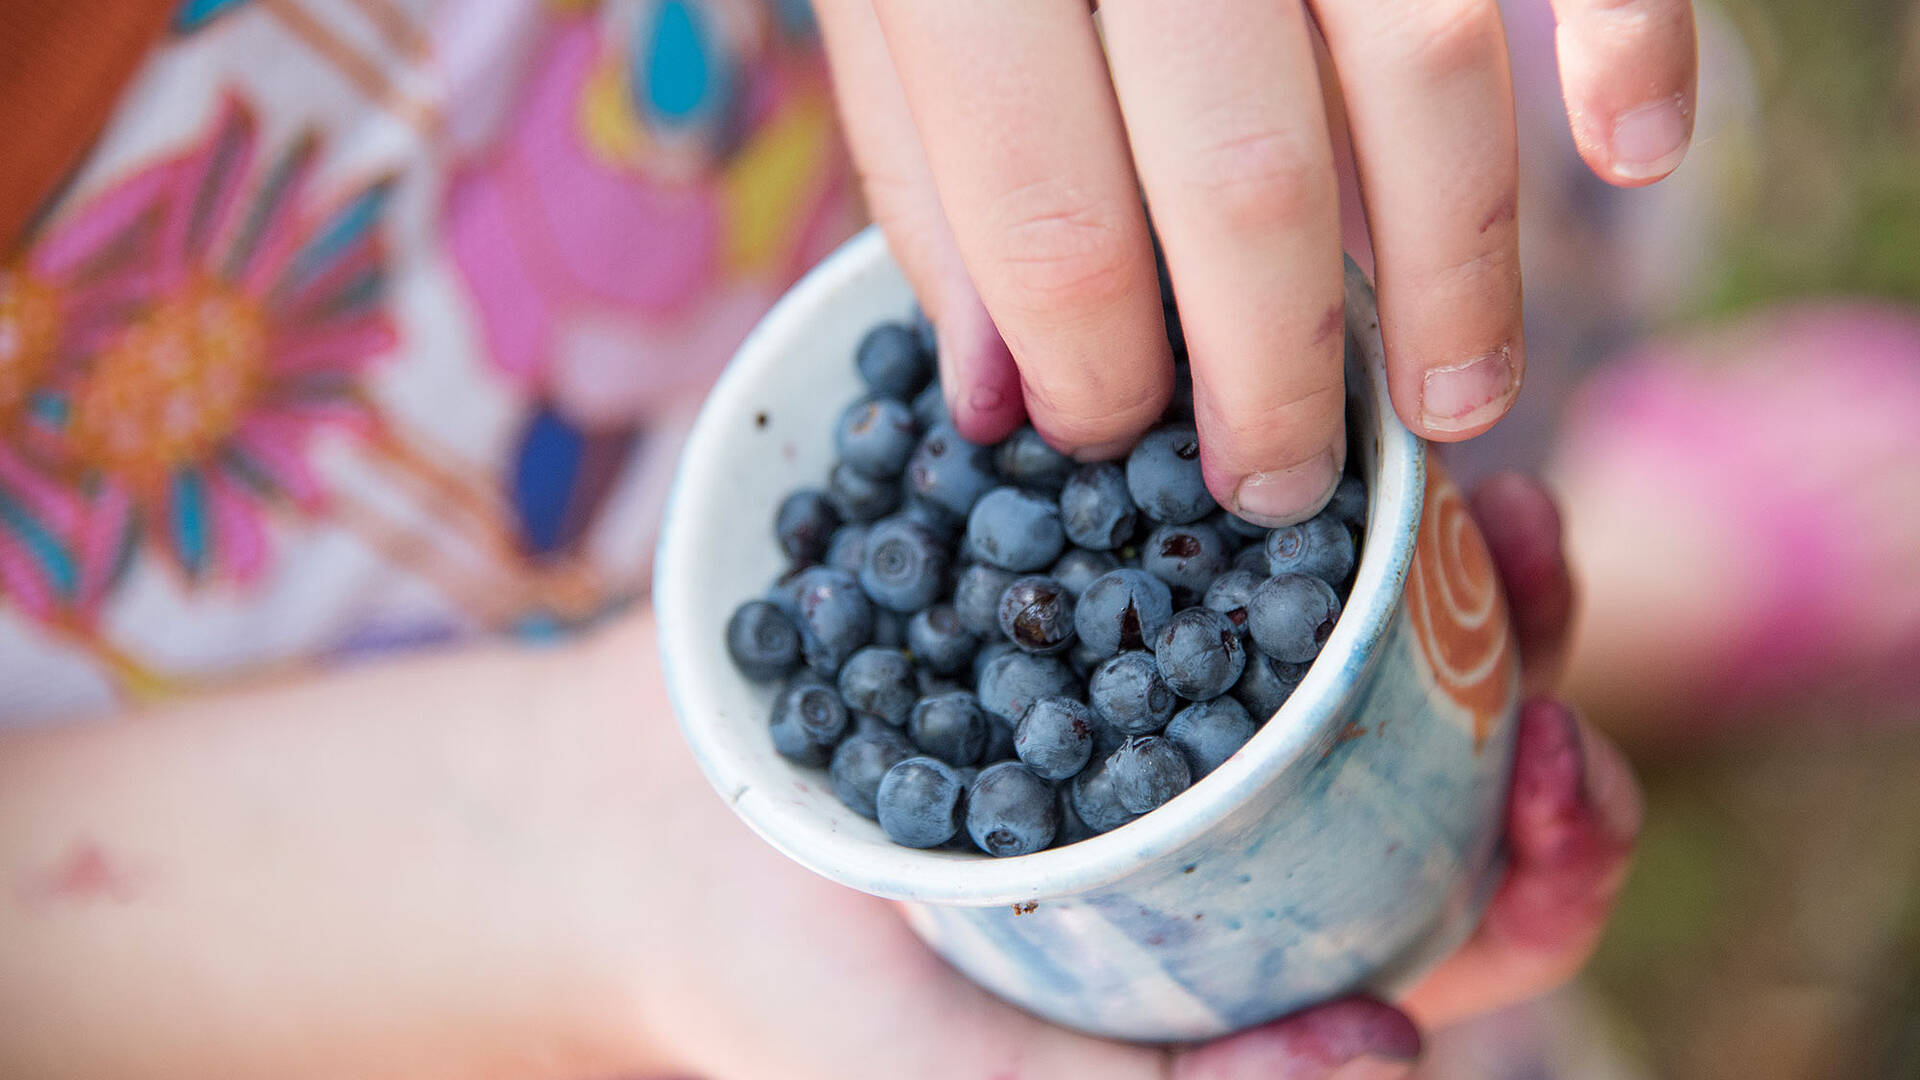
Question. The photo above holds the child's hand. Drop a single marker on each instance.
(1000, 145)
(757, 968)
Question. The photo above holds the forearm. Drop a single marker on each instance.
(419, 869)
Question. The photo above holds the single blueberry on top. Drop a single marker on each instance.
(976, 599)
(1146, 772)
(1209, 732)
(808, 718)
(764, 643)
(1011, 810)
(950, 472)
(1025, 460)
(1266, 684)
(1187, 558)
(1130, 694)
(833, 614)
(878, 681)
(1055, 737)
(1229, 594)
(951, 727)
(859, 497)
(905, 567)
(1037, 615)
(1199, 653)
(1163, 476)
(1078, 568)
(1096, 509)
(804, 525)
(1014, 680)
(877, 435)
(939, 642)
(891, 361)
(859, 762)
(848, 548)
(1015, 530)
(918, 802)
(1122, 609)
(1320, 546)
(1291, 616)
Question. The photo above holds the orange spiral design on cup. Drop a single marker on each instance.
(1455, 605)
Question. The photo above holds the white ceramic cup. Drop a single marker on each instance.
(1350, 845)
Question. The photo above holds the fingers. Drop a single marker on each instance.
(1024, 139)
(1430, 105)
(1522, 527)
(1572, 817)
(980, 383)
(1229, 133)
(1628, 68)
(1354, 1039)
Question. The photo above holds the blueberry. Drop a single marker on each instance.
(1290, 616)
(876, 436)
(1146, 772)
(859, 762)
(1229, 594)
(1200, 656)
(951, 727)
(1011, 810)
(905, 567)
(764, 643)
(1237, 528)
(889, 628)
(879, 682)
(1266, 684)
(930, 408)
(990, 652)
(1025, 460)
(1163, 476)
(833, 615)
(950, 472)
(1083, 659)
(1072, 830)
(999, 741)
(1253, 557)
(918, 802)
(1320, 546)
(1209, 732)
(976, 599)
(1037, 615)
(932, 517)
(1096, 800)
(1187, 558)
(804, 525)
(1349, 502)
(1122, 609)
(1055, 737)
(1012, 681)
(1015, 530)
(1079, 567)
(848, 548)
(808, 718)
(859, 497)
(891, 361)
(938, 640)
(931, 684)
(1095, 507)
(1130, 694)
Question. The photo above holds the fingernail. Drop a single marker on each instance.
(985, 399)
(1650, 140)
(1465, 396)
(1286, 496)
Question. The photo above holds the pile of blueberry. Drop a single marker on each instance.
(995, 647)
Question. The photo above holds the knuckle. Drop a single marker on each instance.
(1061, 249)
(1262, 180)
(1440, 39)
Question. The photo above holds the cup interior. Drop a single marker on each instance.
(767, 429)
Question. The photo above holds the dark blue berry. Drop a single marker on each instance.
(1253, 558)
(1209, 732)
(1229, 594)
(1349, 502)
(1122, 609)
(1011, 810)
(976, 599)
(1187, 558)
(892, 362)
(999, 741)
(1078, 568)
(1055, 737)
(1266, 684)
(808, 719)
(918, 802)
(905, 566)
(764, 643)
(930, 408)
(859, 497)
(938, 640)
(932, 517)
(1163, 476)
(950, 472)
(833, 614)
(1199, 653)
(1037, 615)
(889, 628)
(1096, 801)
(848, 548)
(804, 525)
(951, 727)
(1130, 694)
(1025, 460)
(1095, 507)
(1083, 659)
(989, 652)
(878, 681)
(1146, 772)
(1290, 616)
(877, 436)
(1072, 830)
(1320, 546)
(1015, 530)
(859, 762)
(1012, 681)
(933, 685)
(1237, 528)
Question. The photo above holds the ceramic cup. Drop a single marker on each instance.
(1350, 845)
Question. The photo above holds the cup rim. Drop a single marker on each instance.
(1396, 494)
